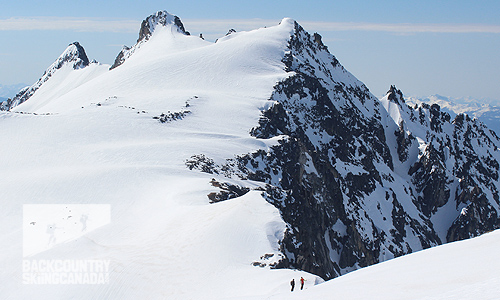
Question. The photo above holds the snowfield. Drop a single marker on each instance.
(89, 136)
(93, 136)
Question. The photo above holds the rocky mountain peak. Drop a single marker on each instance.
(148, 27)
(395, 95)
(74, 56)
(160, 18)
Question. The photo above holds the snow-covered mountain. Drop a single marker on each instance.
(233, 164)
(486, 111)
(73, 58)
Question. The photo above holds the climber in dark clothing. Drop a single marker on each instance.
(292, 283)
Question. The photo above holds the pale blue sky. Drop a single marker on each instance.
(424, 47)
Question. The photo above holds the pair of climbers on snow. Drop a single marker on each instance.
(292, 283)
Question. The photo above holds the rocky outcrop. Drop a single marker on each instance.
(227, 191)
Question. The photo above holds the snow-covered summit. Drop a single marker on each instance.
(124, 137)
(74, 57)
(161, 18)
(160, 21)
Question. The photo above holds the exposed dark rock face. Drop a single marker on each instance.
(79, 58)
(475, 149)
(476, 218)
(404, 140)
(430, 180)
(458, 166)
(120, 58)
(354, 185)
(336, 128)
(74, 56)
(395, 95)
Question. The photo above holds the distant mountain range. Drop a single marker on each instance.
(9, 91)
(486, 110)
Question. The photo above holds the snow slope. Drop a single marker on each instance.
(95, 141)
(460, 270)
